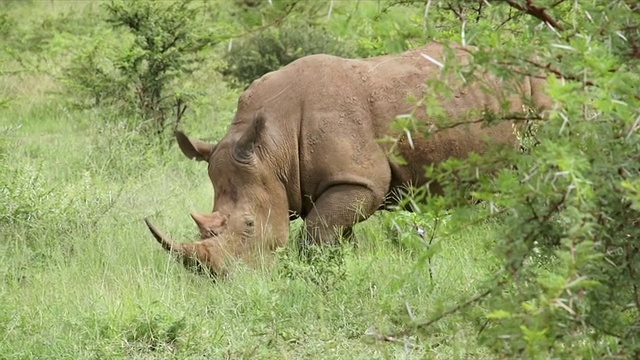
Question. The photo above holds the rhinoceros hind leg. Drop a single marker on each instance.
(336, 211)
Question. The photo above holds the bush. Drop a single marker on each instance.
(51, 35)
(120, 154)
(35, 214)
(31, 205)
(575, 195)
(140, 75)
(274, 48)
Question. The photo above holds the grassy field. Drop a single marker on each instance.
(82, 278)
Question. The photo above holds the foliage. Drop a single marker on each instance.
(255, 15)
(6, 23)
(36, 216)
(288, 30)
(382, 30)
(324, 267)
(141, 76)
(154, 332)
(28, 201)
(110, 152)
(575, 193)
(274, 48)
(45, 33)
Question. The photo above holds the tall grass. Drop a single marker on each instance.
(80, 277)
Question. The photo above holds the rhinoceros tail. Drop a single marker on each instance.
(164, 240)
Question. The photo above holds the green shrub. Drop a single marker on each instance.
(120, 154)
(48, 36)
(274, 48)
(149, 332)
(323, 267)
(575, 195)
(31, 204)
(36, 214)
(161, 45)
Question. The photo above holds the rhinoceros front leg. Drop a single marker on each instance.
(336, 211)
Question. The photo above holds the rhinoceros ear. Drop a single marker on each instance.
(194, 148)
(245, 148)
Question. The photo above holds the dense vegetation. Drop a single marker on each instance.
(546, 266)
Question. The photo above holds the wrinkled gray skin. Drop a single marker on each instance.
(304, 143)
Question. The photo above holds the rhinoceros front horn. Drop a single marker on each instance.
(164, 240)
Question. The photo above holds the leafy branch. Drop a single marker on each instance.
(537, 11)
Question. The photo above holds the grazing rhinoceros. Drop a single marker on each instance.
(304, 142)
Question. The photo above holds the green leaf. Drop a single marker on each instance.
(499, 314)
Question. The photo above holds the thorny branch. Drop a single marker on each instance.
(608, 332)
(510, 17)
(512, 267)
(541, 13)
(534, 214)
(510, 117)
(630, 253)
(276, 22)
(444, 314)
(537, 12)
(562, 75)
(431, 237)
(558, 73)
(460, 306)
(515, 265)
(181, 108)
(457, 10)
(479, 10)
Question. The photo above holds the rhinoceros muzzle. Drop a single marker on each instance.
(202, 256)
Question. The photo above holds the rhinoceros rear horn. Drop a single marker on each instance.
(245, 147)
(194, 148)
(164, 240)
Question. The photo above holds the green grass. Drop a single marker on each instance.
(82, 277)
(85, 279)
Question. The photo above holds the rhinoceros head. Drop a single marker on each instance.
(250, 206)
